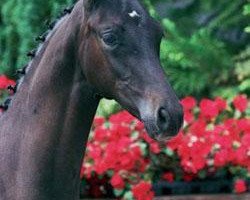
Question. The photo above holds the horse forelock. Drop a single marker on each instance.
(117, 12)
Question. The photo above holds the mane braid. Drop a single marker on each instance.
(32, 54)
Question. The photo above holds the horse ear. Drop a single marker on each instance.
(91, 5)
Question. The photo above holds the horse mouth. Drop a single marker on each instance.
(160, 135)
(161, 138)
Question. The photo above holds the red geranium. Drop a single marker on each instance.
(188, 116)
(5, 82)
(208, 108)
(117, 181)
(240, 103)
(188, 177)
(168, 176)
(221, 103)
(240, 186)
(142, 191)
(188, 103)
(98, 121)
(213, 138)
(221, 158)
(154, 147)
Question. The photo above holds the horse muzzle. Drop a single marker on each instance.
(165, 123)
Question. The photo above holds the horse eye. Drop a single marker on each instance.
(110, 39)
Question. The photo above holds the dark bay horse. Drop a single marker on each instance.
(101, 49)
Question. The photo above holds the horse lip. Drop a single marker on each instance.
(155, 133)
(162, 138)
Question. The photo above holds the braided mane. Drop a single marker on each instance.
(32, 54)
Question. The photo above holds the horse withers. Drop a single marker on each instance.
(100, 49)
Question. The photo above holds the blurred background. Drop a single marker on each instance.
(205, 51)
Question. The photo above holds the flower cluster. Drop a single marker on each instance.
(215, 137)
(117, 148)
(209, 142)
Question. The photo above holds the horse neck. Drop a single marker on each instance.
(53, 111)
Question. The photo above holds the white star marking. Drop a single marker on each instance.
(133, 14)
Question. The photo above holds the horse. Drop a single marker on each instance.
(99, 49)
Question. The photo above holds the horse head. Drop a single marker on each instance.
(119, 56)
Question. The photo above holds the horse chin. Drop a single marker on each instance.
(159, 137)
(155, 133)
(163, 138)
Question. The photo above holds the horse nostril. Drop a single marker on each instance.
(163, 119)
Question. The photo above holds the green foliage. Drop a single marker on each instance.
(199, 52)
(247, 12)
(22, 22)
(242, 70)
(194, 63)
(107, 107)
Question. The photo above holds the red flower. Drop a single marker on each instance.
(98, 121)
(188, 103)
(209, 141)
(168, 176)
(176, 141)
(127, 161)
(240, 103)
(142, 191)
(188, 116)
(188, 166)
(221, 158)
(154, 147)
(199, 163)
(198, 128)
(241, 157)
(100, 134)
(121, 117)
(244, 124)
(5, 82)
(147, 138)
(209, 108)
(245, 141)
(117, 181)
(240, 186)
(221, 103)
(139, 126)
(188, 177)
(118, 131)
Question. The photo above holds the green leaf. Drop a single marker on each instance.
(128, 196)
(246, 10)
(168, 152)
(118, 193)
(135, 135)
(110, 173)
(245, 85)
(143, 147)
(247, 29)
(202, 174)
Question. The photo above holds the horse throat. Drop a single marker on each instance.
(48, 123)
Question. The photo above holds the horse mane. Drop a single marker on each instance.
(52, 26)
